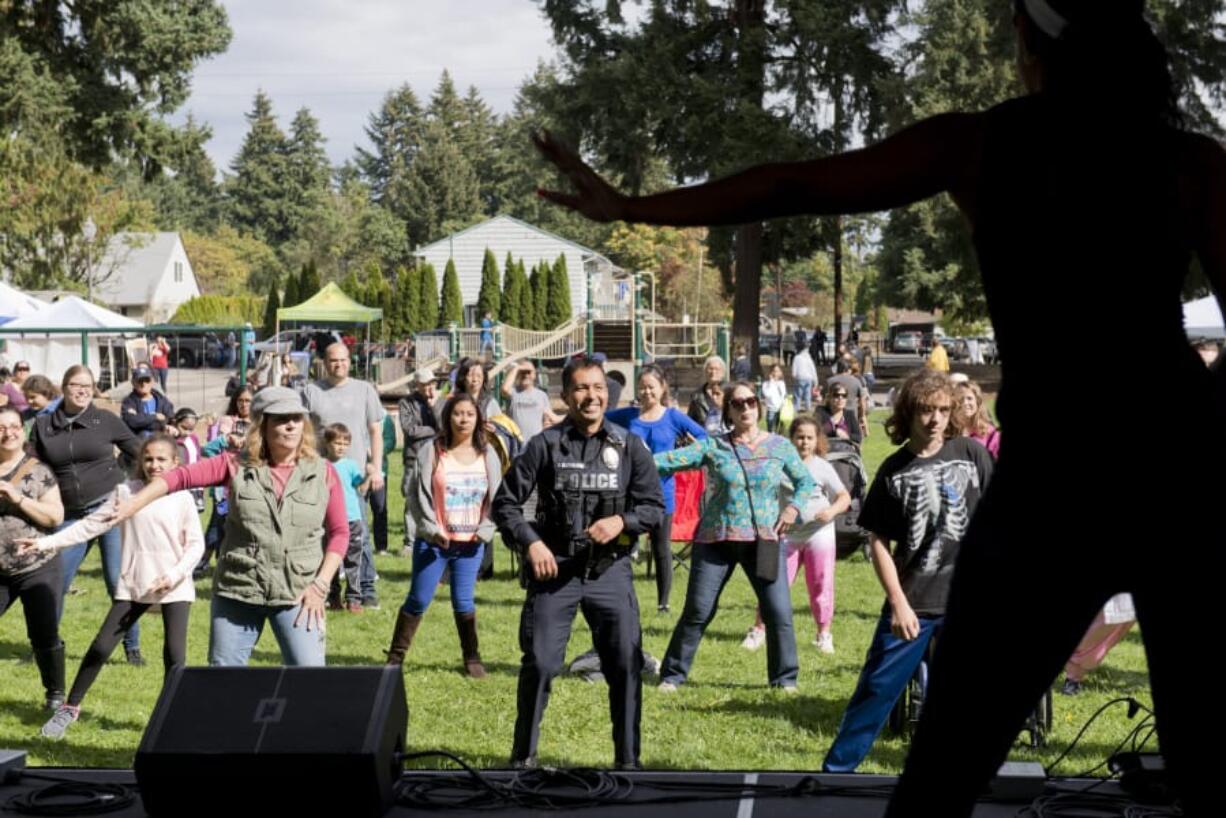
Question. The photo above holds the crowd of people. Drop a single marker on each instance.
(292, 528)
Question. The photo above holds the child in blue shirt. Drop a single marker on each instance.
(355, 482)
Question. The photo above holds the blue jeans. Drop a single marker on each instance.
(366, 566)
(429, 560)
(111, 548)
(711, 567)
(888, 667)
(804, 395)
(237, 627)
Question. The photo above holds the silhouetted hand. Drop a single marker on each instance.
(593, 197)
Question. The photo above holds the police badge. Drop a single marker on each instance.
(610, 457)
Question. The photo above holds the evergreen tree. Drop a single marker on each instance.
(257, 193)
(540, 295)
(527, 303)
(291, 298)
(271, 305)
(308, 171)
(408, 301)
(509, 312)
(308, 282)
(352, 286)
(557, 311)
(447, 109)
(489, 299)
(451, 306)
(395, 131)
(479, 141)
(427, 299)
(378, 294)
(442, 187)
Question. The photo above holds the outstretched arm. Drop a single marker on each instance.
(930, 157)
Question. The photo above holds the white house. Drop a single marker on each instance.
(503, 234)
(145, 276)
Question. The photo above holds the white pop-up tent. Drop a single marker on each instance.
(1202, 318)
(16, 304)
(65, 333)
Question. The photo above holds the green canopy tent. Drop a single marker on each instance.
(330, 305)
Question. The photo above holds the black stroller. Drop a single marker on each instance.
(844, 456)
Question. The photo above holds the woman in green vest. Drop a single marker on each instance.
(284, 501)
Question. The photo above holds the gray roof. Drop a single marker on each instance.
(136, 262)
(587, 251)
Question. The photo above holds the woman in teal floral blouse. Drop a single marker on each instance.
(726, 536)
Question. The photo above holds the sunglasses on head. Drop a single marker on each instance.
(741, 404)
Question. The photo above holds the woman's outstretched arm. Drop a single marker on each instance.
(933, 156)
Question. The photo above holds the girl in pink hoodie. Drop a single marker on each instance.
(161, 545)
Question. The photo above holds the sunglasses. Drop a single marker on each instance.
(838, 395)
(741, 404)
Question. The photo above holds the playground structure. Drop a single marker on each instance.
(615, 321)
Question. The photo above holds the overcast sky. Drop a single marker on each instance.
(340, 57)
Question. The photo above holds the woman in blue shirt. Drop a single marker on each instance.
(742, 517)
(660, 426)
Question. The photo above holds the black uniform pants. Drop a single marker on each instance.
(612, 612)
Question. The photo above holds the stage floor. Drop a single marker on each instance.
(723, 794)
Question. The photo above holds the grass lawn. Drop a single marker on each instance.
(725, 718)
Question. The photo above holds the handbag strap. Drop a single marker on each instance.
(749, 491)
(25, 467)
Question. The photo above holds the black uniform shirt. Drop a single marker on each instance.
(535, 466)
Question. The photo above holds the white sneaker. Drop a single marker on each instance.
(825, 642)
(58, 723)
(754, 639)
(666, 687)
(791, 690)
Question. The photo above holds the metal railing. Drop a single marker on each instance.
(680, 341)
(509, 342)
(431, 344)
(561, 342)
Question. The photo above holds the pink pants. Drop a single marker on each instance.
(818, 555)
(1094, 647)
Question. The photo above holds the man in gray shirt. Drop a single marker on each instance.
(527, 405)
(341, 399)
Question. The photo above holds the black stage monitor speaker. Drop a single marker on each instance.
(274, 741)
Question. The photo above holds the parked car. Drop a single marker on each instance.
(283, 341)
(907, 342)
(987, 348)
(191, 350)
(956, 348)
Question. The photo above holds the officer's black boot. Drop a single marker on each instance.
(466, 625)
(50, 663)
(402, 637)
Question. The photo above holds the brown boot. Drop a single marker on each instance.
(466, 624)
(402, 637)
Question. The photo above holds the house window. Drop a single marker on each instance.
(178, 272)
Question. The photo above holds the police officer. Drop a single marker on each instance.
(598, 487)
